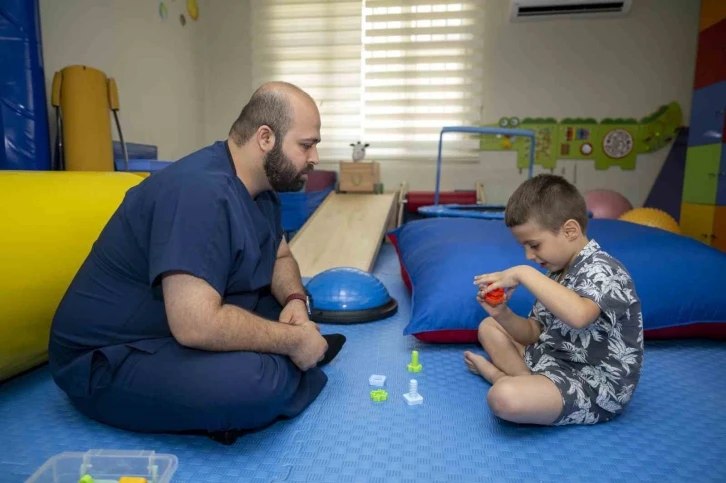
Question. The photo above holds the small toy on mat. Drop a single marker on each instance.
(123, 479)
(412, 396)
(379, 395)
(414, 365)
(377, 380)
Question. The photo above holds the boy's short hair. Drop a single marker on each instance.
(548, 200)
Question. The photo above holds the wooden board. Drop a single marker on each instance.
(345, 231)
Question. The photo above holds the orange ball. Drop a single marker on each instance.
(652, 217)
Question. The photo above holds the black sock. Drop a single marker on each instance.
(335, 343)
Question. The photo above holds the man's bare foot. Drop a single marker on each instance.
(480, 366)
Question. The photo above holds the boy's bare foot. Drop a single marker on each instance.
(480, 366)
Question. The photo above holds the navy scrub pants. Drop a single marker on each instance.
(172, 388)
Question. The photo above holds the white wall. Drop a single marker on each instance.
(227, 63)
(183, 87)
(626, 67)
(157, 64)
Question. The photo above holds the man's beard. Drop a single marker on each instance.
(281, 171)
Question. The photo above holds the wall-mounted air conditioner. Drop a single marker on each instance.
(555, 9)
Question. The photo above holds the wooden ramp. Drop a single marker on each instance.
(345, 231)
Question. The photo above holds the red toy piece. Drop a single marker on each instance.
(495, 297)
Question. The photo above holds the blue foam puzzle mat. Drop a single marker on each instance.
(675, 429)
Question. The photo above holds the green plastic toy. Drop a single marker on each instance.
(86, 479)
(414, 365)
(379, 395)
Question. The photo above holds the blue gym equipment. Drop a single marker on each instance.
(23, 101)
(484, 211)
(456, 210)
(347, 295)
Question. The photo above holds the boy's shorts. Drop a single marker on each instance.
(579, 398)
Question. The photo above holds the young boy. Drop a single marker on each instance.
(577, 358)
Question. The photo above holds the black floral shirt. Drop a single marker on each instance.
(602, 361)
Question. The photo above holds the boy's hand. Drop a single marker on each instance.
(493, 310)
(508, 279)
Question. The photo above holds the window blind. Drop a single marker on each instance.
(316, 45)
(422, 71)
(390, 73)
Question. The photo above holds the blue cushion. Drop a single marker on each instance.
(680, 281)
(298, 206)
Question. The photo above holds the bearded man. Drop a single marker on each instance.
(189, 313)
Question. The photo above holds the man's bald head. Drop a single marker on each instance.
(272, 104)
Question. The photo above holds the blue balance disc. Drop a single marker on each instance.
(347, 295)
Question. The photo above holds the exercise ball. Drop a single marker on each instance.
(606, 203)
(652, 217)
(347, 295)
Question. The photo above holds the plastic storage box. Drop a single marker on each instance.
(106, 466)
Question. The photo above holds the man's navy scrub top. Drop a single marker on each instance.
(194, 216)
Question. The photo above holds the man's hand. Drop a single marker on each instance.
(294, 313)
(199, 319)
(311, 347)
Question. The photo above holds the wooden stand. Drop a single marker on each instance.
(361, 177)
